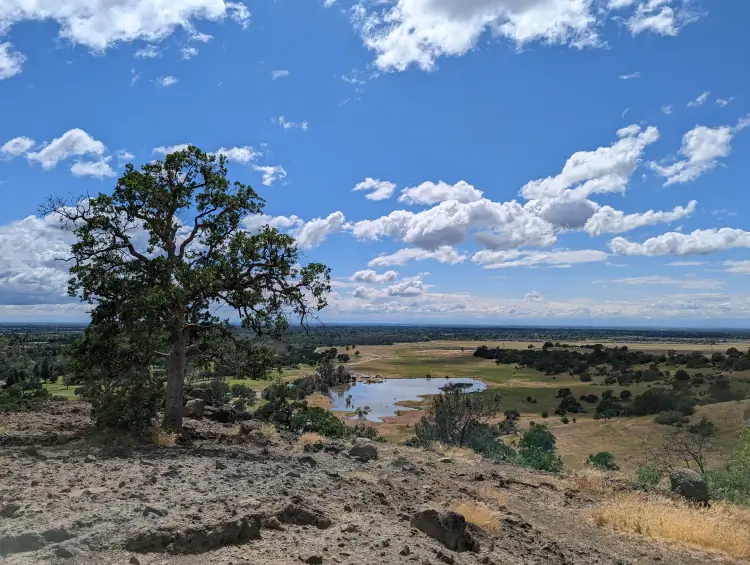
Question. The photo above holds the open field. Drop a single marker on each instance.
(627, 438)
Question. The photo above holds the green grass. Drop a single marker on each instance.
(59, 389)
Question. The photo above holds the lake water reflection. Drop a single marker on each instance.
(382, 396)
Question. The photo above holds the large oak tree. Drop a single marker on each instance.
(166, 253)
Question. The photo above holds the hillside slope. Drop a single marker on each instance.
(252, 497)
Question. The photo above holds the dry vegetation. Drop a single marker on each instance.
(480, 514)
(722, 527)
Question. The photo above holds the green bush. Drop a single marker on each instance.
(318, 420)
(127, 404)
(538, 449)
(240, 390)
(733, 482)
(671, 418)
(647, 476)
(545, 414)
(604, 461)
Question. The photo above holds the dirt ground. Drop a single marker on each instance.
(229, 497)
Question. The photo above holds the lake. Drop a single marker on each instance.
(382, 397)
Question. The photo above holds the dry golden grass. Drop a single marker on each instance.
(722, 527)
(164, 439)
(491, 495)
(310, 437)
(462, 454)
(479, 514)
(591, 481)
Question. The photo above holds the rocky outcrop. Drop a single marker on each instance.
(194, 408)
(198, 539)
(689, 484)
(449, 528)
(364, 451)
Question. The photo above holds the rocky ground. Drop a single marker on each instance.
(237, 494)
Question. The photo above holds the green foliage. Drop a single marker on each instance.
(167, 290)
(732, 483)
(318, 420)
(671, 418)
(453, 413)
(604, 461)
(538, 449)
(125, 396)
(647, 475)
(545, 414)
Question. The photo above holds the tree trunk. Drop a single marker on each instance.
(175, 385)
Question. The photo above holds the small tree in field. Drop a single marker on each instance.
(454, 414)
(160, 254)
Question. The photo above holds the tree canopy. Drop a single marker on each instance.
(167, 257)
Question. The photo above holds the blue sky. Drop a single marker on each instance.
(493, 161)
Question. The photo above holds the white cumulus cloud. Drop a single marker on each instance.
(700, 100)
(271, 173)
(699, 242)
(98, 169)
(373, 277)
(16, 146)
(243, 155)
(432, 193)
(11, 62)
(379, 189)
(286, 124)
(74, 142)
(314, 232)
(444, 254)
(167, 81)
(702, 148)
(609, 220)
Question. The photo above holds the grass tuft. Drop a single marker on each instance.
(491, 495)
(479, 514)
(163, 439)
(463, 454)
(722, 527)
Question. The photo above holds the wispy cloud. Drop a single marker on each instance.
(280, 73)
(700, 100)
(636, 74)
(167, 81)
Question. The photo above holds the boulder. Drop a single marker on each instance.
(689, 484)
(246, 428)
(300, 515)
(200, 393)
(449, 528)
(223, 414)
(194, 408)
(364, 451)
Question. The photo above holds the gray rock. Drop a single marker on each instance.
(90, 459)
(311, 559)
(302, 516)
(134, 561)
(20, 543)
(364, 452)
(9, 509)
(194, 408)
(689, 484)
(308, 460)
(64, 552)
(155, 511)
(56, 536)
(449, 528)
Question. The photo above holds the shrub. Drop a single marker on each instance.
(586, 377)
(318, 420)
(565, 420)
(604, 461)
(647, 475)
(545, 414)
(454, 413)
(670, 418)
(219, 390)
(732, 483)
(538, 450)
(239, 390)
(127, 404)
